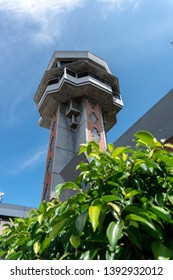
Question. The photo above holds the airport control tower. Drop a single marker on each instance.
(78, 99)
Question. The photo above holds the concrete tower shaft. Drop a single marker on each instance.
(78, 99)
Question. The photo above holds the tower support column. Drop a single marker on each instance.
(70, 127)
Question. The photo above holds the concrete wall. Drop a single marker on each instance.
(158, 121)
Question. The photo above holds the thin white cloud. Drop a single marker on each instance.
(15, 102)
(31, 161)
(38, 22)
(34, 159)
(120, 5)
(136, 5)
(45, 15)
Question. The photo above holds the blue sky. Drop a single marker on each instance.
(133, 36)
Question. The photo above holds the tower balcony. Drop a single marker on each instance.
(75, 85)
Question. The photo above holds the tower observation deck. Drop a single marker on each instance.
(78, 99)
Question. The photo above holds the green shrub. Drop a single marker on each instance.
(125, 213)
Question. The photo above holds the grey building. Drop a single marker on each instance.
(158, 121)
(12, 211)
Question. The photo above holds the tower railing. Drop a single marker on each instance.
(79, 79)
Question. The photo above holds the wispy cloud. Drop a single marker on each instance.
(24, 23)
(29, 162)
(15, 102)
(120, 5)
(45, 15)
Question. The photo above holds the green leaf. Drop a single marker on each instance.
(159, 199)
(169, 161)
(21, 241)
(131, 193)
(89, 255)
(144, 166)
(80, 221)
(135, 209)
(94, 155)
(125, 157)
(2, 254)
(160, 251)
(94, 145)
(36, 247)
(110, 255)
(170, 246)
(137, 164)
(118, 151)
(82, 166)
(145, 137)
(141, 217)
(102, 216)
(115, 184)
(44, 245)
(114, 232)
(115, 207)
(15, 255)
(111, 147)
(69, 185)
(170, 197)
(40, 218)
(83, 149)
(89, 149)
(77, 198)
(113, 254)
(30, 243)
(75, 241)
(10, 239)
(109, 198)
(135, 236)
(56, 228)
(94, 212)
(42, 207)
(161, 213)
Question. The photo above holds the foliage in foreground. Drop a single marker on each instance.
(126, 212)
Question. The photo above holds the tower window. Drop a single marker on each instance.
(63, 63)
(53, 81)
(93, 117)
(49, 166)
(53, 126)
(71, 73)
(83, 74)
(46, 193)
(52, 143)
(116, 95)
(95, 135)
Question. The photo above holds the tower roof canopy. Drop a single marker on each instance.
(77, 55)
